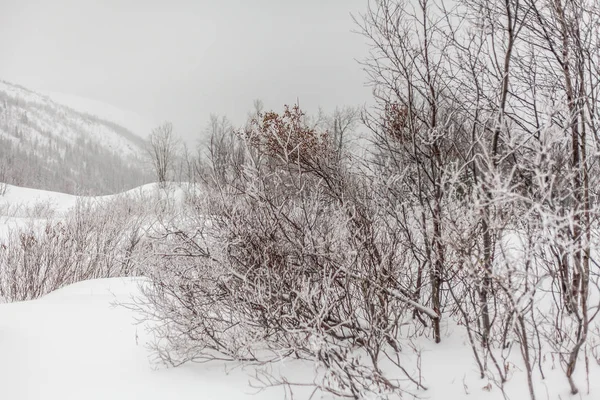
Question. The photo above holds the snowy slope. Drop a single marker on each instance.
(76, 123)
(27, 197)
(21, 205)
(47, 145)
(61, 202)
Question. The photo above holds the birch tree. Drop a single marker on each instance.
(162, 151)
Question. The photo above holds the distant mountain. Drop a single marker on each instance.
(48, 145)
(140, 125)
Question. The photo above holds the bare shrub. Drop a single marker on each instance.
(293, 258)
(477, 206)
(94, 240)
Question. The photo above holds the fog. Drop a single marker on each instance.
(183, 60)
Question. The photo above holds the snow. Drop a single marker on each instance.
(81, 342)
(21, 199)
(72, 125)
(27, 197)
(76, 344)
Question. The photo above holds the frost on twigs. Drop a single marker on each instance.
(476, 207)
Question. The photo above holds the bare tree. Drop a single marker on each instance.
(3, 183)
(162, 151)
(299, 255)
(476, 204)
(477, 108)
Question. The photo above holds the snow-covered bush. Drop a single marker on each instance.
(94, 240)
(293, 257)
(476, 208)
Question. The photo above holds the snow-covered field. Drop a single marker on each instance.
(81, 342)
(21, 202)
(76, 344)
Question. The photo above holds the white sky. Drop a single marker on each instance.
(182, 60)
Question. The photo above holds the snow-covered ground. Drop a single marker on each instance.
(20, 197)
(80, 342)
(21, 200)
(76, 344)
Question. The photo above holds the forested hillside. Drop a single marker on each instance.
(49, 146)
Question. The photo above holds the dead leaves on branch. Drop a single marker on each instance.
(288, 139)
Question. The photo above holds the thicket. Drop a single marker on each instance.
(476, 206)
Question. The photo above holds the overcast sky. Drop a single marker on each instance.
(183, 60)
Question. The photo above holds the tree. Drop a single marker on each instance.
(477, 107)
(476, 204)
(3, 184)
(162, 151)
(298, 254)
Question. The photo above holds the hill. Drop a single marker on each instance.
(47, 145)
